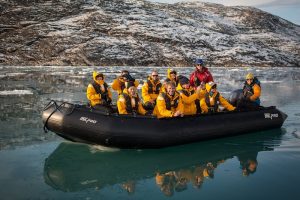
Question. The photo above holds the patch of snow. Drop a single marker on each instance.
(15, 74)
(99, 148)
(61, 33)
(265, 81)
(15, 92)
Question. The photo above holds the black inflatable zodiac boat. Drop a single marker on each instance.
(80, 123)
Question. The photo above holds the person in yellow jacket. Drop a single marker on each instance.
(252, 90)
(212, 100)
(129, 101)
(150, 90)
(98, 93)
(190, 97)
(169, 103)
(119, 83)
(172, 76)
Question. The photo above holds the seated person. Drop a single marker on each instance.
(129, 101)
(190, 97)
(172, 76)
(119, 83)
(169, 103)
(164, 85)
(212, 100)
(150, 90)
(99, 94)
(251, 93)
(201, 75)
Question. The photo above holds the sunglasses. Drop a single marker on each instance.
(155, 75)
(199, 65)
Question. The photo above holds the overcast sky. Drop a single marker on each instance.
(287, 9)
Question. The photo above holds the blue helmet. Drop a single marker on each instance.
(199, 61)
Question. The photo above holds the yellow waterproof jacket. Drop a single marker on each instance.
(127, 103)
(212, 99)
(188, 99)
(148, 95)
(119, 85)
(179, 87)
(175, 81)
(256, 92)
(161, 110)
(91, 93)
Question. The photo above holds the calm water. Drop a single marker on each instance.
(35, 165)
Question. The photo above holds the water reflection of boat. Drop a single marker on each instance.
(82, 124)
(74, 167)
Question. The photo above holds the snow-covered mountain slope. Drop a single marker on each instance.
(137, 32)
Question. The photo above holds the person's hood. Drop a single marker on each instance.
(209, 85)
(95, 74)
(169, 72)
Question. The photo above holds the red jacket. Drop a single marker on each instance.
(197, 77)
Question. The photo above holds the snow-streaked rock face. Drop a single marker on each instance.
(137, 32)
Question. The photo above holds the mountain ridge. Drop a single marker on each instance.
(141, 33)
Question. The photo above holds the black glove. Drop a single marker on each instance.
(103, 96)
(248, 95)
(108, 100)
(197, 81)
(149, 112)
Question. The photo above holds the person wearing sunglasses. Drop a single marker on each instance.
(150, 90)
(201, 75)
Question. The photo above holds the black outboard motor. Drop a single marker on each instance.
(235, 97)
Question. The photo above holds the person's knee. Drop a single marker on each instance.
(148, 105)
(103, 108)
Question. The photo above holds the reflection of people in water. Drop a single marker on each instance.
(176, 175)
(178, 180)
(248, 163)
(129, 186)
(166, 182)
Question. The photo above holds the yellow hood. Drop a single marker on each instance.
(168, 73)
(209, 85)
(95, 74)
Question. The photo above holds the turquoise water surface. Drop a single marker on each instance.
(38, 165)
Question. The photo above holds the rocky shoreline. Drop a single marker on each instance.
(140, 33)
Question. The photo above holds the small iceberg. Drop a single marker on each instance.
(15, 92)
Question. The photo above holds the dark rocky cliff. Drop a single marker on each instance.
(140, 33)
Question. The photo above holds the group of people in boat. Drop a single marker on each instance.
(175, 96)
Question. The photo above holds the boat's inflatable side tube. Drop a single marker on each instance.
(85, 125)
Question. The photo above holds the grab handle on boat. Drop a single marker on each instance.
(52, 102)
(49, 104)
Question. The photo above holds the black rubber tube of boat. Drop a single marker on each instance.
(57, 108)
